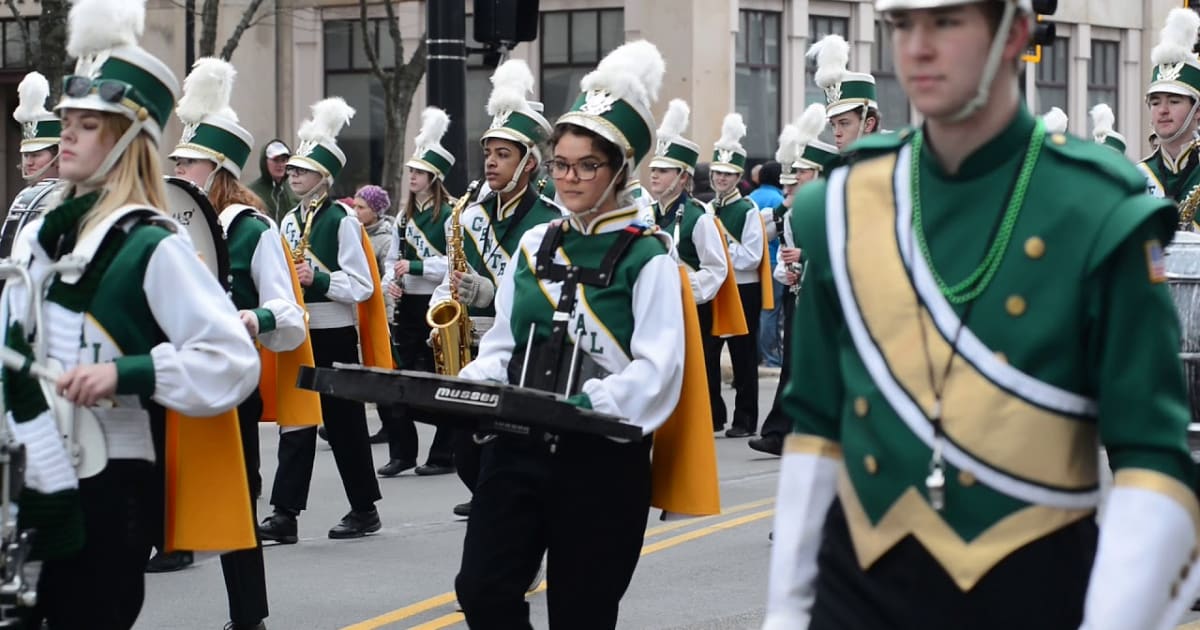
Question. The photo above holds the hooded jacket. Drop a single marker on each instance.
(277, 197)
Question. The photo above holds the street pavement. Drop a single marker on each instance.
(697, 574)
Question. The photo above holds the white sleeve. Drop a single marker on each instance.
(352, 283)
(496, 346)
(435, 267)
(714, 268)
(779, 272)
(387, 276)
(270, 270)
(746, 252)
(647, 390)
(768, 217)
(209, 364)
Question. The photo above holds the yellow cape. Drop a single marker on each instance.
(283, 402)
(684, 471)
(374, 336)
(764, 271)
(728, 319)
(207, 495)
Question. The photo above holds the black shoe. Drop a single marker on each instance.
(770, 444)
(321, 433)
(380, 437)
(738, 432)
(395, 467)
(245, 626)
(718, 429)
(427, 470)
(463, 509)
(168, 562)
(356, 524)
(279, 527)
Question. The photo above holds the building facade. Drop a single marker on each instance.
(722, 55)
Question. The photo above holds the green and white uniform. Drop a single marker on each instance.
(425, 249)
(696, 242)
(341, 273)
(261, 280)
(740, 217)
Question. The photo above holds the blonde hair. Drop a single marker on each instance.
(136, 178)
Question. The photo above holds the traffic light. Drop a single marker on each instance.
(1043, 31)
(506, 22)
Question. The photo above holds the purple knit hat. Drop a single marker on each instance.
(376, 197)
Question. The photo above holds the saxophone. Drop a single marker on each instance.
(302, 245)
(1187, 209)
(448, 318)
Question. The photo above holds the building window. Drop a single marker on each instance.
(757, 83)
(12, 43)
(819, 26)
(572, 43)
(893, 102)
(348, 74)
(1051, 77)
(1103, 73)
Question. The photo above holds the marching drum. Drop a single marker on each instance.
(188, 205)
(30, 204)
(1183, 278)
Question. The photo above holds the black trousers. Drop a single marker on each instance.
(1041, 586)
(245, 576)
(409, 335)
(102, 587)
(346, 426)
(777, 423)
(743, 353)
(584, 505)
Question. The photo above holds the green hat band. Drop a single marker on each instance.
(1115, 141)
(219, 143)
(432, 161)
(518, 127)
(615, 119)
(682, 155)
(319, 158)
(732, 158)
(818, 155)
(854, 91)
(1179, 75)
(45, 130)
(148, 91)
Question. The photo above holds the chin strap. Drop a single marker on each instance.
(208, 181)
(1184, 128)
(36, 175)
(989, 68)
(516, 178)
(101, 173)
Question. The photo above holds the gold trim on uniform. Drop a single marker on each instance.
(1035, 247)
(989, 423)
(1015, 305)
(797, 443)
(966, 562)
(1155, 481)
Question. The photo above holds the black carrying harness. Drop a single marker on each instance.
(550, 362)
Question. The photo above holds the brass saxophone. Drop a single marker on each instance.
(448, 318)
(1187, 209)
(302, 245)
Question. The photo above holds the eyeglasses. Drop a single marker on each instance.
(296, 170)
(585, 170)
(184, 162)
(109, 90)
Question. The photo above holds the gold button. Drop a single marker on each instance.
(1035, 247)
(1015, 305)
(1058, 139)
(871, 464)
(966, 479)
(861, 407)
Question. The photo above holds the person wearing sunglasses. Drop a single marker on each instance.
(137, 325)
(492, 227)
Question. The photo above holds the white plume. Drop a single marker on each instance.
(811, 123)
(511, 82)
(733, 129)
(833, 56)
(1056, 120)
(328, 118)
(633, 71)
(1177, 37)
(206, 90)
(789, 145)
(1103, 121)
(434, 123)
(675, 121)
(32, 92)
(99, 25)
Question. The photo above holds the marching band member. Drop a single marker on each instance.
(966, 338)
(1103, 131)
(416, 265)
(850, 106)
(40, 130)
(332, 264)
(139, 326)
(1173, 102)
(212, 154)
(581, 499)
(492, 228)
(745, 234)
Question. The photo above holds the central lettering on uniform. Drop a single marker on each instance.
(467, 396)
(582, 334)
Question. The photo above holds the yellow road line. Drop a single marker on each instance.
(438, 601)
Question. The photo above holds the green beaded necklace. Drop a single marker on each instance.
(971, 287)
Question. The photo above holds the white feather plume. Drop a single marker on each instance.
(733, 129)
(328, 118)
(833, 56)
(434, 123)
(32, 92)
(99, 25)
(511, 83)
(1056, 120)
(1177, 37)
(1103, 121)
(789, 145)
(675, 121)
(811, 123)
(207, 90)
(633, 71)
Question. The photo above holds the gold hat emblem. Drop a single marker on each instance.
(597, 102)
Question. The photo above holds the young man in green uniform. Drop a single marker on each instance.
(966, 338)
(851, 106)
(1173, 101)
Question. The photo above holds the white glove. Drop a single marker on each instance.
(475, 290)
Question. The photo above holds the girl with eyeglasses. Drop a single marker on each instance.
(136, 323)
(582, 500)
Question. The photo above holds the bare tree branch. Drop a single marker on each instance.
(23, 25)
(236, 37)
(394, 33)
(209, 13)
(368, 44)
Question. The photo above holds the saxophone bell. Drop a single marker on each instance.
(449, 319)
